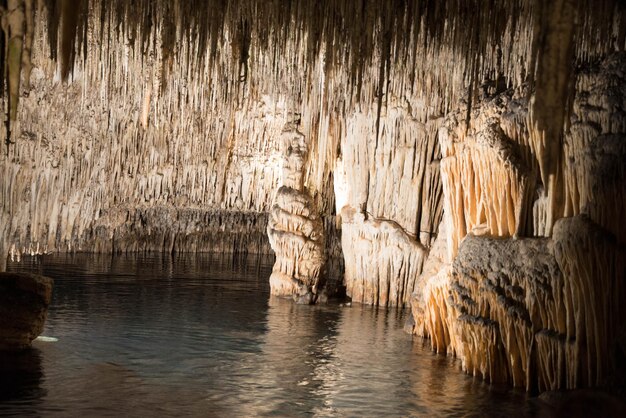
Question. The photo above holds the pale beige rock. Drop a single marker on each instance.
(382, 261)
(165, 134)
(534, 311)
(539, 313)
(388, 198)
(430, 292)
(487, 183)
(294, 228)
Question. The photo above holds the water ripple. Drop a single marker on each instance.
(200, 336)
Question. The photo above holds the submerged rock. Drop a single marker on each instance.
(24, 300)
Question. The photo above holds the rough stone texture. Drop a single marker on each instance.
(166, 106)
(168, 229)
(541, 313)
(295, 230)
(388, 197)
(382, 261)
(595, 147)
(537, 312)
(179, 105)
(427, 284)
(24, 300)
(487, 179)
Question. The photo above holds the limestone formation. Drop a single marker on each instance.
(540, 313)
(294, 228)
(535, 312)
(486, 181)
(384, 262)
(155, 125)
(388, 198)
(24, 300)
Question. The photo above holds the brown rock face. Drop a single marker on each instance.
(24, 300)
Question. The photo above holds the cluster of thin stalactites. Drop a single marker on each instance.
(490, 39)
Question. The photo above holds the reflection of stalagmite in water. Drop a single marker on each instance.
(298, 357)
(295, 230)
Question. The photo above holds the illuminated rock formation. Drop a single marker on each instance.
(155, 125)
(382, 261)
(536, 312)
(388, 197)
(295, 230)
(486, 182)
(539, 313)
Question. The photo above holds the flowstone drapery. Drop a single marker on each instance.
(539, 312)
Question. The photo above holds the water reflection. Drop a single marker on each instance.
(301, 341)
(21, 374)
(201, 336)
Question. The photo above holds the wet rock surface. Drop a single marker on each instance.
(529, 289)
(24, 300)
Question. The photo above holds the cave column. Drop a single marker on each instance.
(295, 228)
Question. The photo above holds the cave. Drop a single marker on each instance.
(313, 207)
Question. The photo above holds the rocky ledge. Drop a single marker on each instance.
(24, 300)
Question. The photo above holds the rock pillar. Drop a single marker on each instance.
(295, 228)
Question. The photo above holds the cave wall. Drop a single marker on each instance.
(538, 312)
(164, 136)
(154, 126)
(123, 157)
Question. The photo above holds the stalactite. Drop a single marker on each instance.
(554, 38)
(29, 28)
(15, 44)
(594, 147)
(533, 312)
(179, 105)
(540, 313)
(488, 183)
(594, 266)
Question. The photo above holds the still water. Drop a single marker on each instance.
(201, 336)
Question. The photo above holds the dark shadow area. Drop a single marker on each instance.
(21, 374)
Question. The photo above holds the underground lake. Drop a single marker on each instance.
(299, 208)
(202, 336)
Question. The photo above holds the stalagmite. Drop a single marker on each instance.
(387, 196)
(436, 131)
(383, 262)
(295, 231)
(539, 313)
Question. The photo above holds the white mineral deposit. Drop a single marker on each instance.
(457, 163)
